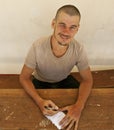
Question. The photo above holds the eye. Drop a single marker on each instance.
(62, 26)
(73, 28)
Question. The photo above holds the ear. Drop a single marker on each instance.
(78, 27)
(53, 23)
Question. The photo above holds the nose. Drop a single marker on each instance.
(66, 30)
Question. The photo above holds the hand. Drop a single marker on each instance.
(48, 107)
(72, 117)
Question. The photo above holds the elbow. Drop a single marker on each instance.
(21, 79)
(24, 79)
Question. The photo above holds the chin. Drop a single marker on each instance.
(66, 41)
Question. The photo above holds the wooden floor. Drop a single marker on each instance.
(104, 78)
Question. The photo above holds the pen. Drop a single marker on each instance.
(50, 108)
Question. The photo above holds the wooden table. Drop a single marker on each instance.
(19, 112)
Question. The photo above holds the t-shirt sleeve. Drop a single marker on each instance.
(82, 63)
(30, 59)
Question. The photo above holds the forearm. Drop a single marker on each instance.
(29, 88)
(83, 94)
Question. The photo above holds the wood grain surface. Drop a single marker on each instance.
(101, 79)
(19, 112)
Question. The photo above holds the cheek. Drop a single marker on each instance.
(57, 31)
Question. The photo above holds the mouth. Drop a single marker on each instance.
(64, 37)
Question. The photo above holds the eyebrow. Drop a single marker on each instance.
(62, 23)
(70, 26)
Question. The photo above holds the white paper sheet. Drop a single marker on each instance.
(55, 119)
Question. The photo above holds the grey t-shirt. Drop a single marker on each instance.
(48, 67)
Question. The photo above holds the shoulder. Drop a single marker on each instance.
(77, 46)
(40, 41)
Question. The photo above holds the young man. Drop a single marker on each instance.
(52, 59)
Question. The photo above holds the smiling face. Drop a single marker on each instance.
(65, 27)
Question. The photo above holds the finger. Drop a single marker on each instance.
(70, 125)
(65, 122)
(48, 111)
(76, 125)
(53, 106)
(49, 107)
(63, 108)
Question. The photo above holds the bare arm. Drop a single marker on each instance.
(25, 80)
(85, 87)
(74, 111)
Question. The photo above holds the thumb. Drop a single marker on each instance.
(63, 109)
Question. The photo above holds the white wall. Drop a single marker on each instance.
(23, 21)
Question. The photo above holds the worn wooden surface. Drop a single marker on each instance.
(101, 78)
(19, 112)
